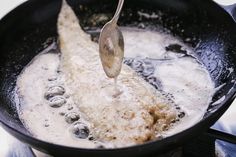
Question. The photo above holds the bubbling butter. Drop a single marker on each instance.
(65, 97)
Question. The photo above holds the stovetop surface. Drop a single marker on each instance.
(10, 147)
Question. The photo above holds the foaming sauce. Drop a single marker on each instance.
(48, 111)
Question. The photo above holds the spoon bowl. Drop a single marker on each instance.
(111, 45)
(111, 48)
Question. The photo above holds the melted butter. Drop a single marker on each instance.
(180, 75)
(137, 114)
(192, 93)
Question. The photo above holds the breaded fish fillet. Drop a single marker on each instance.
(131, 113)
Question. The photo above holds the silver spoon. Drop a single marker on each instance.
(111, 45)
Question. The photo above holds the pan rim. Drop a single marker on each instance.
(207, 121)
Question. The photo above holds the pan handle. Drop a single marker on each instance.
(221, 136)
(231, 9)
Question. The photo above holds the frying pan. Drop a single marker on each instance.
(202, 24)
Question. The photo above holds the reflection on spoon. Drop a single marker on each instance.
(111, 45)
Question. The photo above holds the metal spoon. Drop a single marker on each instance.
(111, 45)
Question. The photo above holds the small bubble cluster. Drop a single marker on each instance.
(145, 68)
(56, 97)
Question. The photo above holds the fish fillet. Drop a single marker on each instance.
(131, 113)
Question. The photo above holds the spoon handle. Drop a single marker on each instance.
(118, 10)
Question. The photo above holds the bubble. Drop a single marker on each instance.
(100, 146)
(148, 69)
(181, 115)
(62, 113)
(53, 78)
(177, 48)
(70, 107)
(57, 101)
(128, 61)
(141, 25)
(54, 91)
(137, 65)
(91, 138)
(72, 117)
(177, 107)
(80, 130)
(154, 82)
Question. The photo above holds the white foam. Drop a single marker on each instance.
(184, 78)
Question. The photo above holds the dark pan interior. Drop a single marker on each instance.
(200, 23)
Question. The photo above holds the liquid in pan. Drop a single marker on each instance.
(65, 97)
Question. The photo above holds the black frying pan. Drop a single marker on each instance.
(212, 30)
